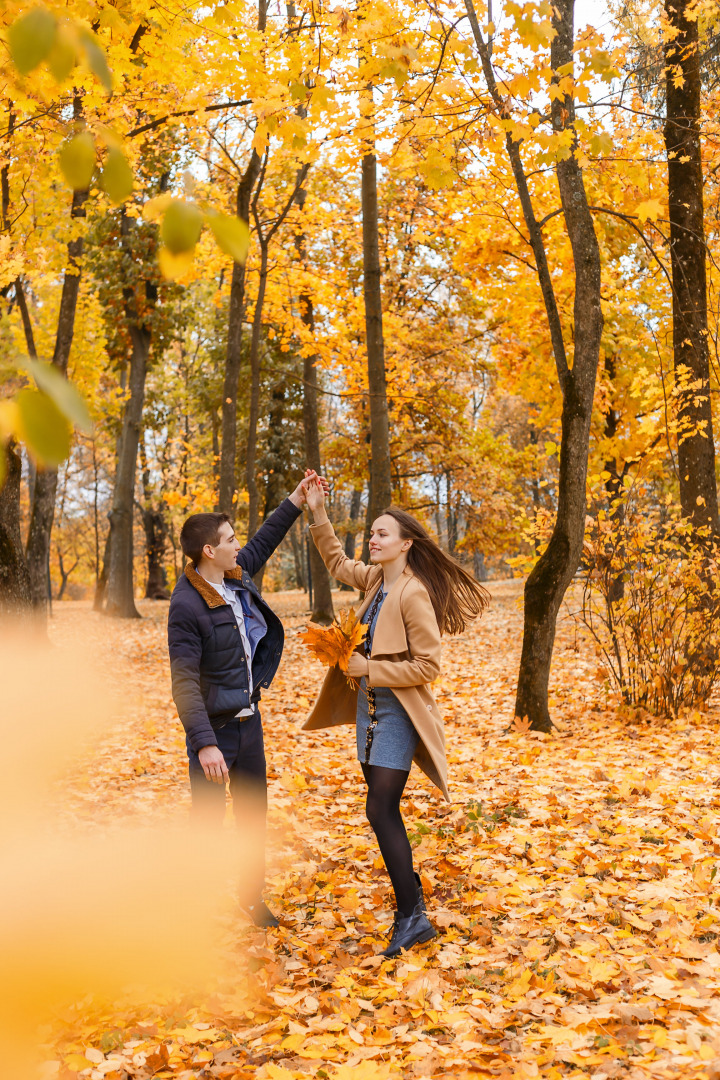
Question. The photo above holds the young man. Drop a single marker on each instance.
(225, 645)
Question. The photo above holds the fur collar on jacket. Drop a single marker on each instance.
(210, 595)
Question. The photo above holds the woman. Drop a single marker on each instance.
(413, 593)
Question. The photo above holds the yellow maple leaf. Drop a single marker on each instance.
(649, 210)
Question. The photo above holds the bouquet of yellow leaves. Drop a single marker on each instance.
(336, 643)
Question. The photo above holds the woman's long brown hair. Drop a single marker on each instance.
(456, 596)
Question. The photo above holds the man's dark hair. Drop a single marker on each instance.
(199, 530)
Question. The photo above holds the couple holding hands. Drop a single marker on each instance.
(225, 645)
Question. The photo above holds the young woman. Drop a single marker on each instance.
(413, 593)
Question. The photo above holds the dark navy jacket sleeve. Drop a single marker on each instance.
(185, 645)
(270, 534)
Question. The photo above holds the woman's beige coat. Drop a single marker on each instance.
(405, 655)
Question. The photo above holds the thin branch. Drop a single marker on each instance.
(153, 124)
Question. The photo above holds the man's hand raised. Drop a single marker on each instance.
(213, 764)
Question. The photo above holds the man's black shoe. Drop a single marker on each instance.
(261, 915)
(409, 930)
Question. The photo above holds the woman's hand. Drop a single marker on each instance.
(358, 666)
(315, 492)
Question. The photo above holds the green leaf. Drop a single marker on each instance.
(64, 394)
(77, 160)
(30, 38)
(63, 57)
(116, 177)
(96, 59)
(232, 235)
(44, 429)
(181, 227)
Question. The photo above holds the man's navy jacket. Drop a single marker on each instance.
(207, 658)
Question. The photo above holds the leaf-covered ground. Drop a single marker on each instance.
(573, 883)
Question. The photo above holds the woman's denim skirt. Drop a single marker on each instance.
(395, 739)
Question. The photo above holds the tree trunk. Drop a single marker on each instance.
(233, 357)
(26, 320)
(120, 591)
(614, 487)
(450, 516)
(43, 506)
(96, 516)
(254, 410)
(64, 575)
(5, 181)
(554, 570)
(696, 448)
(275, 461)
(15, 594)
(351, 532)
(380, 474)
(298, 550)
(102, 578)
(322, 611)
(155, 528)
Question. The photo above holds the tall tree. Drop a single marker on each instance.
(236, 314)
(554, 570)
(322, 607)
(155, 527)
(683, 84)
(14, 577)
(120, 587)
(45, 490)
(233, 357)
(264, 238)
(380, 489)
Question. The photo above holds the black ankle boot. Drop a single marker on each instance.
(409, 930)
(420, 894)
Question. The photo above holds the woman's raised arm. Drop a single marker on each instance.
(349, 571)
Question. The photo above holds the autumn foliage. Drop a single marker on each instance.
(186, 230)
(336, 643)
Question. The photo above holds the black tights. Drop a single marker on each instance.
(385, 788)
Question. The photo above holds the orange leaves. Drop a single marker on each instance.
(521, 725)
(335, 644)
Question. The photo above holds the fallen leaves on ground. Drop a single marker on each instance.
(573, 883)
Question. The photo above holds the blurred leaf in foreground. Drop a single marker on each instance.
(30, 38)
(77, 160)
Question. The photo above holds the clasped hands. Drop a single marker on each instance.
(311, 480)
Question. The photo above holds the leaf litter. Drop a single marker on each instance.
(573, 880)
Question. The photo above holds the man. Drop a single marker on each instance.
(225, 646)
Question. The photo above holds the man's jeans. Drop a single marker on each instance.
(241, 744)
